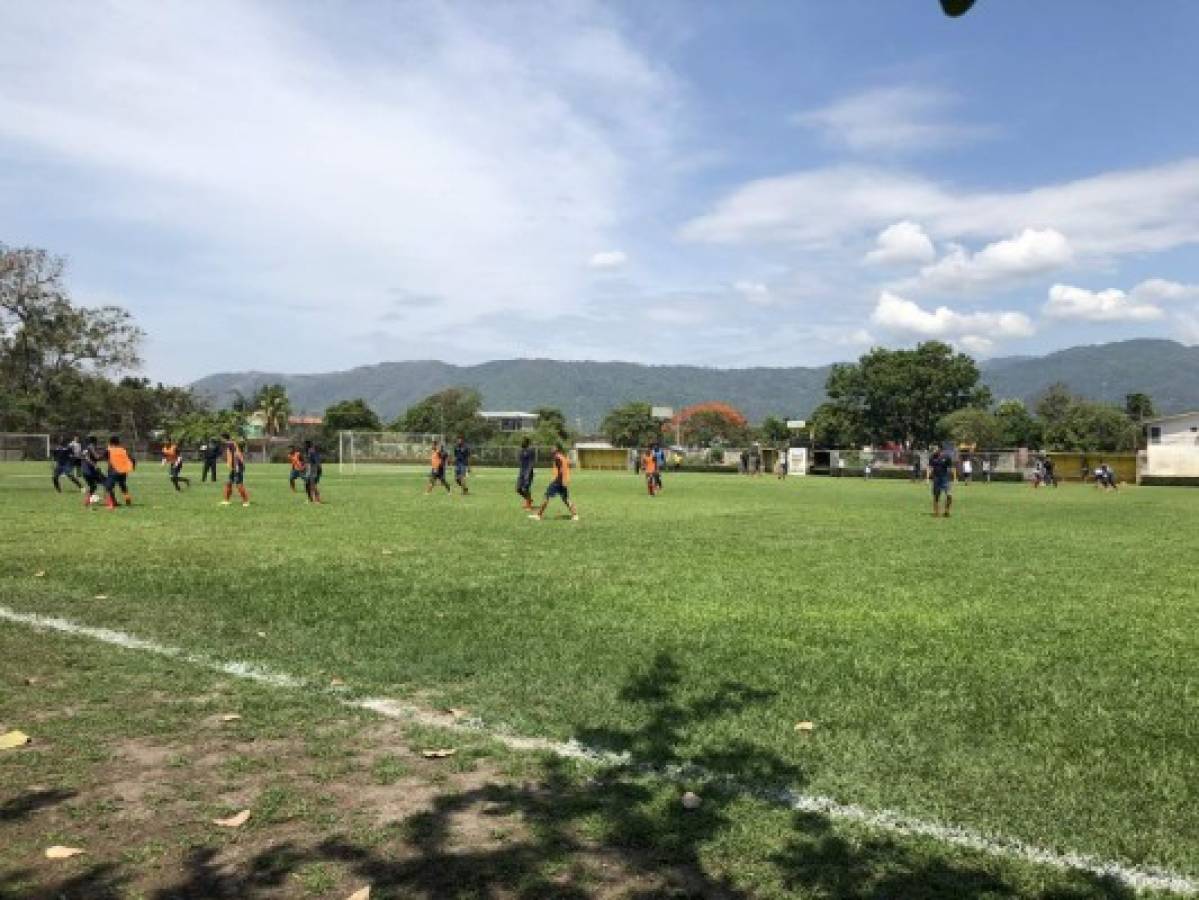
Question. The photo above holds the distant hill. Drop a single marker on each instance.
(1166, 370)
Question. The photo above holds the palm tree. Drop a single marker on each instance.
(272, 402)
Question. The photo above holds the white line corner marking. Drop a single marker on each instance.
(882, 820)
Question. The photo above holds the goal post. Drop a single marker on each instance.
(18, 447)
(362, 451)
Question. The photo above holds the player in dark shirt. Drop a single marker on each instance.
(312, 484)
(90, 460)
(940, 473)
(210, 452)
(524, 479)
(64, 464)
(461, 463)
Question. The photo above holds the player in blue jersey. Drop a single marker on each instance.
(940, 473)
(312, 483)
(64, 464)
(524, 478)
(461, 463)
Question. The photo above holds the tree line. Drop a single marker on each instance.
(65, 367)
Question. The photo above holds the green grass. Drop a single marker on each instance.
(1026, 667)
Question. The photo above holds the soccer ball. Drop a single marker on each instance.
(93, 499)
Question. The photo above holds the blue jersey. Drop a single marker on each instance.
(461, 455)
(527, 457)
(940, 467)
(314, 459)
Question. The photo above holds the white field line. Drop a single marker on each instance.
(882, 820)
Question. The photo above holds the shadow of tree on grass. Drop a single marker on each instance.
(621, 832)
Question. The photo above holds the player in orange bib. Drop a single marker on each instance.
(560, 486)
(299, 468)
(172, 456)
(120, 464)
(437, 461)
(649, 465)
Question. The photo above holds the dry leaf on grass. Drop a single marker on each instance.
(39, 574)
(385, 553)
(262, 634)
(438, 754)
(457, 713)
(30, 681)
(10, 740)
(691, 800)
(57, 852)
(230, 717)
(336, 682)
(804, 726)
(234, 821)
(361, 894)
(100, 597)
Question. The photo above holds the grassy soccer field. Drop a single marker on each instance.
(1026, 668)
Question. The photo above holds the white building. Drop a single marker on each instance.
(512, 420)
(1172, 449)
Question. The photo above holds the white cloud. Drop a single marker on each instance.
(902, 316)
(608, 259)
(1130, 211)
(1031, 252)
(754, 292)
(296, 153)
(1159, 290)
(976, 344)
(903, 242)
(904, 117)
(1112, 305)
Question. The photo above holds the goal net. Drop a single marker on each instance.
(21, 447)
(375, 451)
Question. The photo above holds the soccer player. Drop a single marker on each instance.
(940, 471)
(559, 487)
(210, 452)
(437, 468)
(649, 465)
(1049, 477)
(91, 458)
(63, 465)
(120, 464)
(967, 470)
(299, 468)
(76, 456)
(172, 456)
(461, 463)
(524, 478)
(312, 484)
(659, 465)
(236, 460)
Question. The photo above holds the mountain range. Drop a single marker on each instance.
(1165, 370)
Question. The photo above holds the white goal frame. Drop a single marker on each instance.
(381, 450)
(6, 436)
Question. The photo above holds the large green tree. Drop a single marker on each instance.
(272, 401)
(1017, 426)
(351, 415)
(551, 426)
(902, 395)
(836, 425)
(48, 345)
(774, 430)
(974, 426)
(631, 425)
(450, 412)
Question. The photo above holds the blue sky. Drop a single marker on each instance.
(305, 187)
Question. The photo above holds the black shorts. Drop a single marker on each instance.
(557, 489)
(115, 480)
(524, 483)
(237, 476)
